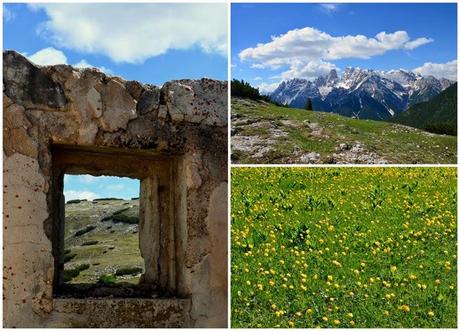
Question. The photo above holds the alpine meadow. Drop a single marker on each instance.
(344, 247)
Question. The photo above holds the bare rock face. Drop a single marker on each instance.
(59, 119)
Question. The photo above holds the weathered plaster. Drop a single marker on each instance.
(174, 139)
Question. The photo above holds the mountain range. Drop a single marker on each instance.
(361, 93)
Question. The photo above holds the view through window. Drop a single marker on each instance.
(101, 239)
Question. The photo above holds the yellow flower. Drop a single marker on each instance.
(350, 315)
(430, 313)
(393, 268)
(336, 322)
(291, 323)
(309, 311)
(386, 313)
(352, 323)
(405, 308)
(325, 318)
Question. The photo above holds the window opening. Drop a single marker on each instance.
(101, 230)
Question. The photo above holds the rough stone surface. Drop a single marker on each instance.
(58, 119)
(126, 313)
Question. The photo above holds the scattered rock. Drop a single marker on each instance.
(311, 157)
(354, 153)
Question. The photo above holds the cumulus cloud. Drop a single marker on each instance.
(48, 56)
(72, 195)
(132, 33)
(51, 56)
(314, 49)
(309, 70)
(439, 70)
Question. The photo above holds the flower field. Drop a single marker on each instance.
(344, 247)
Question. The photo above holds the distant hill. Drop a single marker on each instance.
(438, 115)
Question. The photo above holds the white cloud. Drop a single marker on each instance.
(266, 88)
(135, 32)
(257, 78)
(8, 14)
(48, 56)
(72, 195)
(329, 7)
(310, 70)
(439, 70)
(311, 48)
(417, 42)
(51, 56)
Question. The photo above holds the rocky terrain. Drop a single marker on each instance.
(101, 242)
(361, 93)
(265, 133)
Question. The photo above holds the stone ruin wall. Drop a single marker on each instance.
(60, 118)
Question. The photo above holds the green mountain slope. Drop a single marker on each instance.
(265, 133)
(102, 242)
(439, 115)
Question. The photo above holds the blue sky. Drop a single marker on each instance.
(311, 39)
(92, 187)
(152, 43)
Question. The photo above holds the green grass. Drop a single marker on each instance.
(107, 279)
(344, 247)
(70, 274)
(85, 230)
(394, 143)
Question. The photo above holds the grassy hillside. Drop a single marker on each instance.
(438, 115)
(344, 247)
(102, 242)
(265, 133)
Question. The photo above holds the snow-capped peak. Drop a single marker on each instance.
(385, 92)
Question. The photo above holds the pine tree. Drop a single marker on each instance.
(309, 105)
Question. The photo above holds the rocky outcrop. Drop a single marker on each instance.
(59, 119)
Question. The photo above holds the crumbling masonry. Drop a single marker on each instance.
(58, 119)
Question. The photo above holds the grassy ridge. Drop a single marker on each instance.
(436, 115)
(344, 247)
(388, 141)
